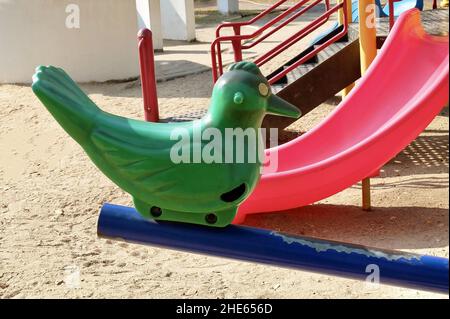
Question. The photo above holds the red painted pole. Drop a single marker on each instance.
(148, 79)
(237, 46)
(391, 14)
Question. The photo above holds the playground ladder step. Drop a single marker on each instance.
(322, 56)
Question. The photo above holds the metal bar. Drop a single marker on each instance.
(237, 45)
(278, 27)
(368, 51)
(366, 200)
(213, 61)
(278, 249)
(148, 79)
(253, 20)
(259, 30)
(219, 58)
(315, 24)
(237, 39)
(391, 14)
(308, 56)
(216, 54)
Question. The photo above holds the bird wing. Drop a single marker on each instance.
(133, 154)
(133, 157)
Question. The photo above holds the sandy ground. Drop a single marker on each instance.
(51, 192)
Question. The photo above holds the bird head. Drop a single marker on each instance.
(244, 93)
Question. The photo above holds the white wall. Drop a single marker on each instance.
(34, 32)
(149, 16)
(178, 19)
(228, 6)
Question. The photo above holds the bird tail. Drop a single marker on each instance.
(62, 97)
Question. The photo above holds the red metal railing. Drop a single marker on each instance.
(148, 79)
(392, 13)
(239, 41)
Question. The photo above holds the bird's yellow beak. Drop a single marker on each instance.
(278, 106)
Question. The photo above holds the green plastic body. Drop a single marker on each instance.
(139, 156)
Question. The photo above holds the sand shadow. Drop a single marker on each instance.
(177, 43)
(167, 70)
(184, 85)
(429, 182)
(384, 227)
(444, 111)
(427, 154)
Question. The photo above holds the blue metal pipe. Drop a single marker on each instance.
(279, 249)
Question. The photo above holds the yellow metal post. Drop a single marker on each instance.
(347, 90)
(367, 33)
(366, 201)
(348, 8)
(368, 51)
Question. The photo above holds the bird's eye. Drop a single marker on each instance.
(263, 89)
(238, 98)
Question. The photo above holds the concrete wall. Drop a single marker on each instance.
(228, 6)
(149, 16)
(104, 47)
(178, 19)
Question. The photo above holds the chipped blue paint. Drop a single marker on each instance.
(323, 246)
(272, 248)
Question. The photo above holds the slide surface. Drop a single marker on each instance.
(404, 89)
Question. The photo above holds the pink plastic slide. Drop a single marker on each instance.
(404, 89)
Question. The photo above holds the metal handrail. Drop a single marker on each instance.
(391, 13)
(296, 37)
(251, 21)
(316, 50)
(237, 45)
(237, 38)
(278, 27)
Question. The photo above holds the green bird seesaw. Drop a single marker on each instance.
(138, 155)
